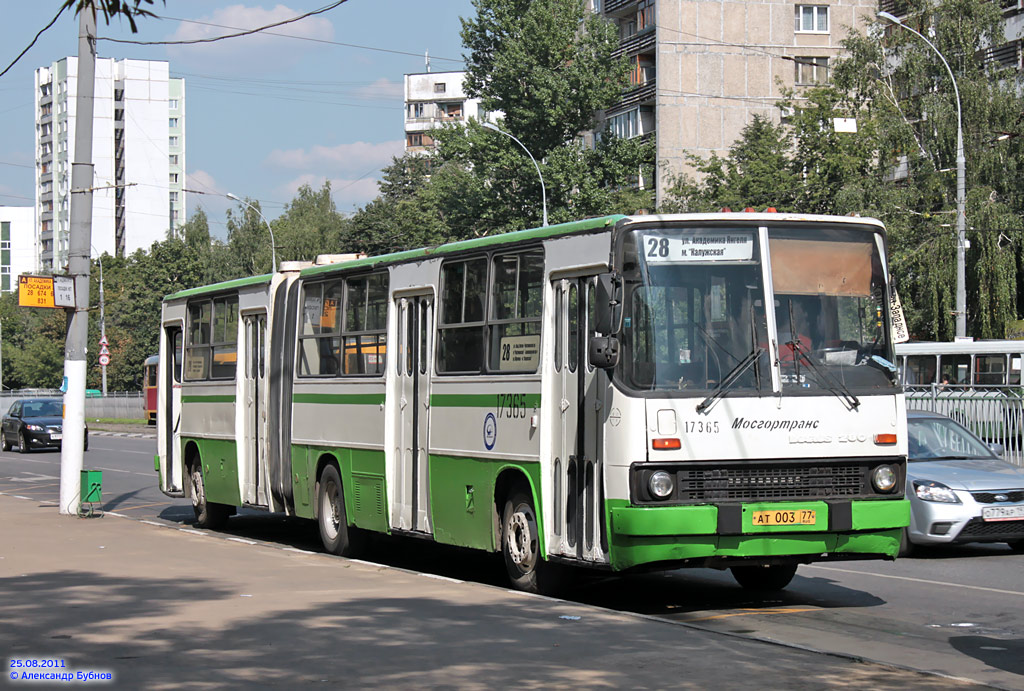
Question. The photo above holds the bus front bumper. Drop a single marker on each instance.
(707, 535)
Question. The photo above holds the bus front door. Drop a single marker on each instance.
(412, 498)
(170, 382)
(578, 483)
(254, 440)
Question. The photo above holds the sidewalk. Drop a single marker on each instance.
(161, 608)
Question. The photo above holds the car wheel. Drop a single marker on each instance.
(208, 514)
(4, 444)
(22, 444)
(764, 579)
(906, 546)
(335, 533)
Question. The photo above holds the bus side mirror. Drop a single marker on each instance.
(608, 307)
(604, 351)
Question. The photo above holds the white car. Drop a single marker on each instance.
(959, 488)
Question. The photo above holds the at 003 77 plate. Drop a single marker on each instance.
(783, 517)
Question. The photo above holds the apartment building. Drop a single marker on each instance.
(434, 99)
(702, 69)
(138, 156)
(18, 248)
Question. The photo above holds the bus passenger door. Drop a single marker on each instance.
(578, 482)
(170, 364)
(412, 498)
(255, 434)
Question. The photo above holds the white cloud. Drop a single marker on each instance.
(348, 193)
(259, 51)
(382, 90)
(355, 158)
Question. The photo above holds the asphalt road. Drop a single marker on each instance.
(954, 611)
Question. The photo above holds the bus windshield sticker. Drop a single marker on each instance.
(686, 248)
(520, 353)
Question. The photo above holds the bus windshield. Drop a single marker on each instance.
(830, 309)
(695, 310)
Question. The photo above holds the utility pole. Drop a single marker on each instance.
(78, 267)
(103, 327)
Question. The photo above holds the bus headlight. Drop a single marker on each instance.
(884, 478)
(661, 484)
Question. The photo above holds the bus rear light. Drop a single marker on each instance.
(886, 439)
(666, 444)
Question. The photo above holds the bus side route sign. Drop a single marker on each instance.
(46, 291)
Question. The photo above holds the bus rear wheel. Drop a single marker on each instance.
(208, 514)
(520, 548)
(335, 533)
(764, 579)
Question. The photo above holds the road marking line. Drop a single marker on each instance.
(918, 580)
(748, 612)
(114, 470)
(440, 578)
(243, 541)
(297, 550)
(143, 506)
(158, 525)
(194, 532)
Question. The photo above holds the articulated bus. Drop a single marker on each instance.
(713, 390)
(149, 388)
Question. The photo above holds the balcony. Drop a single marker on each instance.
(645, 93)
(640, 42)
(894, 7)
(612, 6)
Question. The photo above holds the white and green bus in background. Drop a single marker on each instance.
(711, 390)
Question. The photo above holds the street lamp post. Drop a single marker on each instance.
(961, 213)
(543, 191)
(273, 253)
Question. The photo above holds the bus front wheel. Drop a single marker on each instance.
(764, 578)
(208, 514)
(335, 534)
(520, 548)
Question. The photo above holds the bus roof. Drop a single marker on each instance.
(958, 347)
(224, 285)
(475, 243)
(152, 360)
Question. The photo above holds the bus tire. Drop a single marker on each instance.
(208, 514)
(906, 546)
(520, 547)
(764, 579)
(337, 536)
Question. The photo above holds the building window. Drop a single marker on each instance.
(439, 87)
(641, 70)
(173, 177)
(449, 111)
(418, 139)
(174, 197)
(172, 122)
(811, 70)
(812, 19)
(172, 103)
(415, 110)
(625, 125)
(172, 141)
(644, 15)
(173, 158)
(44, 89)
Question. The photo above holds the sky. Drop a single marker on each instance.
(264, 114)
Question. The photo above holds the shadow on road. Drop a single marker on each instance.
(1007, 655)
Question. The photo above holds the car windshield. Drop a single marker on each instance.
(932, 439)
(43, 409)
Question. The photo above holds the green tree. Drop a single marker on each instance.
(310, 225)
(248, 241)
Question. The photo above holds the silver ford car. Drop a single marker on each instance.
(959, 488)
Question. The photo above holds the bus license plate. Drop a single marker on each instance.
(784, 517)
(1002, 513)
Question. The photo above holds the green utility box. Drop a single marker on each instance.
(92, 486)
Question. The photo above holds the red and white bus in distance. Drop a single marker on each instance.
(149, 374)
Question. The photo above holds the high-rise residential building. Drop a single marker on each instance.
(702, 69)
(434, 99)
(138, 156)
(18, 249)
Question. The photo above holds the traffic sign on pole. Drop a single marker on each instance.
(104, 350)
(104, 360)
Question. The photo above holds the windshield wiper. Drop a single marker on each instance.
(729, 379)
(832, 384)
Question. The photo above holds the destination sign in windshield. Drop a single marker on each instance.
(728, 246)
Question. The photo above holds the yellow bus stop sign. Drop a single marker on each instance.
(46, 291)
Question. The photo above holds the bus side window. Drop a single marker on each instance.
(990, 370)
(460, 332)
(921, 369)
(1014, 375)
(955, 369)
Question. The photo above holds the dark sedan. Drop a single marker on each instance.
(35, 423)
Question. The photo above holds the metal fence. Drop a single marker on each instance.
(125, 405)
(996, 414)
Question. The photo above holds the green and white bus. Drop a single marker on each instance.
(712, 390)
